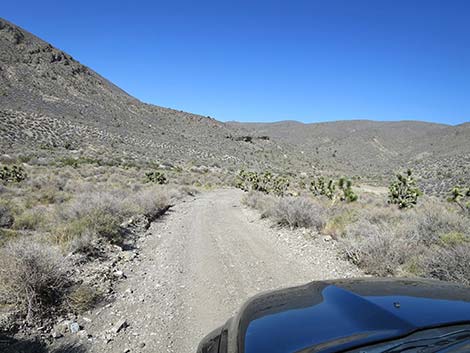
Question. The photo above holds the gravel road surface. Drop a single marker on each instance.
(197, 265)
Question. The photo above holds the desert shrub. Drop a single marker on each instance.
(448, 263)
(430, 222)
(32, 277)
(337, 223)
(81, 298)
(188, 190)
(261, 202)
(298, 212)
(30, 219)
(374, 248)
(403, 192)
(98, 213)
(6, 216)
(454, 239)
(149, 202)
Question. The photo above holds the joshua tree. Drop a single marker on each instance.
(404, 192)
(156, 177)
(460, 196)
(323, 188)
(345, 185)
(13, 174)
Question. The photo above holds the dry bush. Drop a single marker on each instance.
(428, 223)
(99, 214)
(339, 218)
(32, 277)
(374, 248)
(95, 215)
(30, 219)
(150, 202)
(265, 204)
(299, 212)
(448, 263)
(82, 298)
(6, 216)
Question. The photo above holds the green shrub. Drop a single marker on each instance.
(30, 219)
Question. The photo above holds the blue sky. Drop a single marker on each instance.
(272, 60)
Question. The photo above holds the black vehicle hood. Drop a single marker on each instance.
(331, 316)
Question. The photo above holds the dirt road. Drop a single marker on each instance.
(197, 265)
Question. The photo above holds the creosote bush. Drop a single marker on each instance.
(33, 277)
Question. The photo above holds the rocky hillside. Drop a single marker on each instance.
(52, 106)
(440, 154)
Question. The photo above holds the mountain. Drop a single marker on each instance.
(52, 106)
(439, 154)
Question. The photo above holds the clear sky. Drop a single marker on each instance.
(312, 60)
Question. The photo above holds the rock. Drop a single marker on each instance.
(327, 238)
(119, 274)
(62, 327)
(120, 325)
(56, 334)
(74, 327)
(128, 255)
(83, 334)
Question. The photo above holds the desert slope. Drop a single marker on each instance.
(52, 106)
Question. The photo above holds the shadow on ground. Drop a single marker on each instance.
(13, 345)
